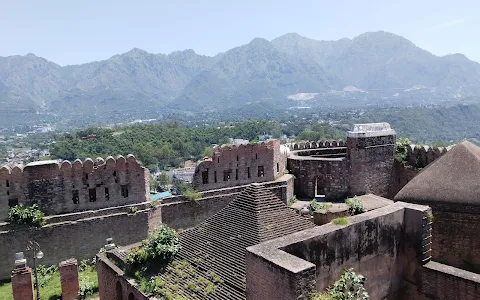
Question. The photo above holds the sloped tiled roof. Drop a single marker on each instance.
(219, 244)
(452, 178)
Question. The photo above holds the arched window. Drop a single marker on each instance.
(131, 297)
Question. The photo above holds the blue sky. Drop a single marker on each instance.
(73, 32)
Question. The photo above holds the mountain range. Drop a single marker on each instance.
(272, 72)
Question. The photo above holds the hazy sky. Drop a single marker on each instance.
(72, 32)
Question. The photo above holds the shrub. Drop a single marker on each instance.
(340, 221)
(191, 195)
(26, 215)
(355, 206)
(133, 209)
(430, 217)
(401, 150)
(350, 286)
(292, 200)
(87, 288)
(318, 206)
(157, 249)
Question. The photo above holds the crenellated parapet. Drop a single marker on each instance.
(420, 156)
(65, 186)
(232, 165)
(315, 144)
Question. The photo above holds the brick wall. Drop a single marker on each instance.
(444, 282)
(239, 165)
(112, 283)
(66, 187)
(456, 238)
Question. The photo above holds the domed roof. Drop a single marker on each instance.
(453, 178)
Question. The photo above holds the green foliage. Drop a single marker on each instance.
(319, 131)
(430, 217)
(340, 221)
(350, 286)
(157, 249)
(191, 195)
(26, 215)
(87, 288)
(318, 206)
(49, 282)
(355, 206)
(401, 150)
(208, 152)
(292, 200)
(45, 274)
(163, 181)
(133, 209)
(155, 145)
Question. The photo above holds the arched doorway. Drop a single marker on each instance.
(319, 188)
(118, 288)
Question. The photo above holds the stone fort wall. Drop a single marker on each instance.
(67, 187)
(387, 245)
(239, 165)
(82, 234)
(361, 165)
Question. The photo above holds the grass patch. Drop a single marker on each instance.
(340, 221)
(52, 289)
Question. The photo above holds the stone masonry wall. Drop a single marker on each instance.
(373, 244)
(239, 165)
(80, 239)
(371, 162)
(455, 240)
(319, 175)
(66, 238)
(66, 187)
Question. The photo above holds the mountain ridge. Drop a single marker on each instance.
(261, 71)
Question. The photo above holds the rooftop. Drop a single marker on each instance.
(452, 178)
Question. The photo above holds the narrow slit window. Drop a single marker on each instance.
(107, 194)
(124, 191)
(261, 171)
(215, 176)
(248, 172)
(205, 177)
(75, 197)
(236, 174)
(92, 195)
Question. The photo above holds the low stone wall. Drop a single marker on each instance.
(339, 210)
(81, 239)
(444, 282)
(385, 245)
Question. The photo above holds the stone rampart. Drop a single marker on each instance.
(82, 234)
(314, 145)
(239, 165)
(67, 187)
(421, 156)
(386, 245)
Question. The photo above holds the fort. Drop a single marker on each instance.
(242, 229)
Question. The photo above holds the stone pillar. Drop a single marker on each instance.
(22, 283)
(69, 279)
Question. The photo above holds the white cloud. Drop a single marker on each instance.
(449, 24)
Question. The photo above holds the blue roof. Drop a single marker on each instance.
(159, 196)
